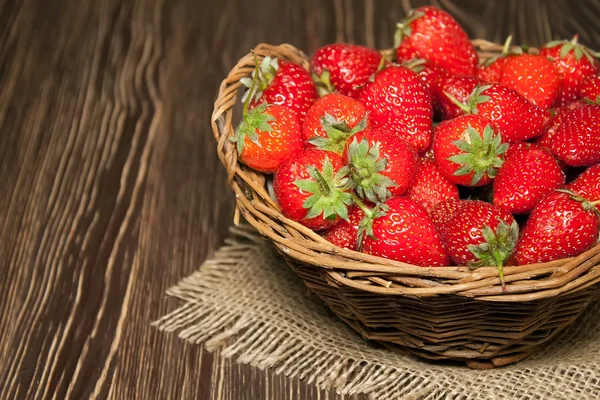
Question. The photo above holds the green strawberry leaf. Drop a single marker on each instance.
(323, 83)
(338, 132)
(330, 192)
(255, 119)
(366, 164)
(403, 29)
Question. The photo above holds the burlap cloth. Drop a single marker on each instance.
(247, 301)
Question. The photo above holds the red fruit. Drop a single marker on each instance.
(479, 234)
(433, 34)
(331, 120)
(460, 87)
(590, 87)
(443, 211)
(511, 113)
(587, 184)
(528, 174)
(312, 188)
(345, 233)
(534, 77)
(344, 68)
(577, 140)
(430, 74)
(398, 102)
(267, 136)
(381, 164)
(430, 187)
(550, 130)
(284, 83)
(491, 69)
(468, 151)
(561, 225)
(405, 233)
(573, 62)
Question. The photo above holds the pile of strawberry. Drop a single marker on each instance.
(434, 158)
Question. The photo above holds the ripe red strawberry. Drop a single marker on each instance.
(430, 74)
(587, 184)
(443, 211)
(433, 34)
(267, 136)
(430, 187)
(332, 120)
(479, 234)
(467, 150)
(533, 76)
(343, 68)
(284, 83)
(573, 63)
(405, 233)
(590, 87)
(561, 225)
(345, 233)
(381, 164)
(460, 87)
(577, 139)
(313, 189)
(550, 130)
(528, 174)
(508, 111)
(490, 70)
(398, 102)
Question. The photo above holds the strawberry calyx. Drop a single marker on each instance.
(255, 119)
(338, 132)
(592, 102)
(263, 74)
(329, 191)
(505, 52)
(365, 165)
(416, 64)
(403, 29)
(496, 247)
(323, 82)
(476, 97)
(573, 46)
(365, 226)
(480, 156)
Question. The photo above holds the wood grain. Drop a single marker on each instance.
(112, 190)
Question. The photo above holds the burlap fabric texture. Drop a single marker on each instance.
(247, 301)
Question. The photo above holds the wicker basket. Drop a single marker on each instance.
(437, 313)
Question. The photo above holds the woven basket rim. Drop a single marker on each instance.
(366, 272)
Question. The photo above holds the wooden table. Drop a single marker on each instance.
(111, 188)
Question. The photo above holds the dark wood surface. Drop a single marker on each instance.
(111, 190)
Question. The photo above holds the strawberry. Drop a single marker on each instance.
(433, 34)
(313, 189)
(562, 225)
(588, 183)
(267, 136)
(331, 120)
(381, 164)
(430, 74)
(491, 69)
(550, 130)
(430, 187)
(405, 233)
(344, 68)
(573, 63)
(345, 233)
(528, 174)
(398, 102)
(284, 83)
(590, 87)
(467, 150)
(507, 110)
(460, 87)
(533, 76)
(443, 211)
(577, 139)
(479, 234)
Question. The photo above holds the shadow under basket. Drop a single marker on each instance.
(438, 313)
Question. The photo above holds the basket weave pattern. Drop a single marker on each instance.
(438, 313)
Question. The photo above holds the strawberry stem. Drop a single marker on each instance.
(575, 39)
(325, 187)
(500, 266)
(506, 48)
(252, 87)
